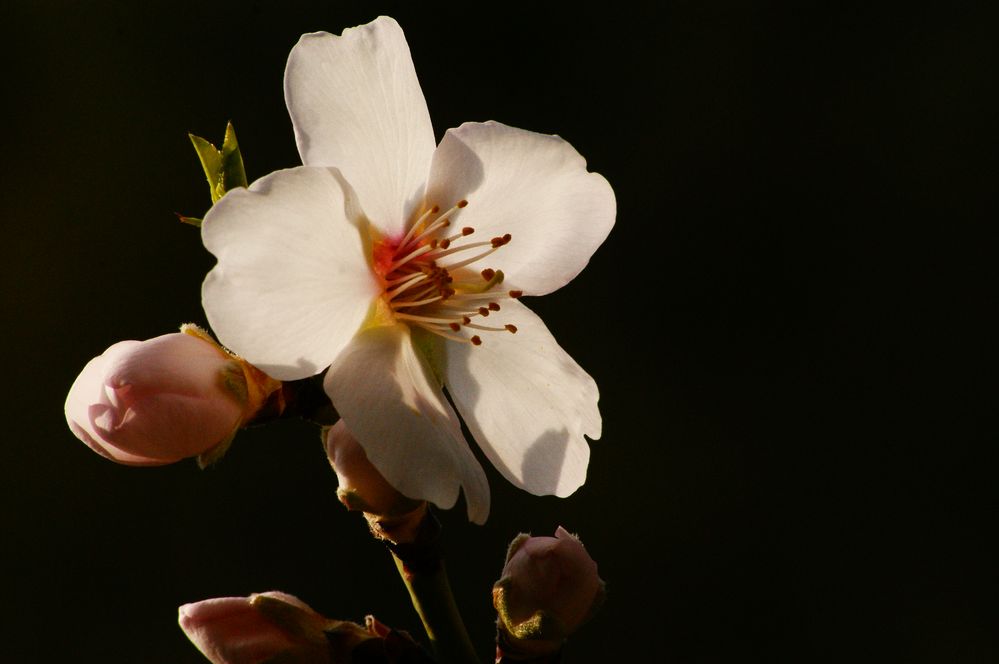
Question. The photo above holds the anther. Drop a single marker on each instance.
(494, 306)
(483, 312)
(500, 241)
(488, 273)
(444, 244)
(456, 327)
(465, 320)
(467, 230)
(476, 341)
(462, 203)
(516, 294)
(511, 328)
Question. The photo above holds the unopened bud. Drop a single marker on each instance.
(155, 402)
(256, 629)
(273, 627)
(549, 588)
(390, 514)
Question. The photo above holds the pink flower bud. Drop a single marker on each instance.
(390, 515)
(361, 486)
(256, 629)
(154, 402)
(549, 588)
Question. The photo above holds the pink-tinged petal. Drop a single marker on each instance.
(231, 630)
(527, 403)
(356, 105)
(292, 284)
(359, 484)
(534, 187)
(155, 401)
(165, 399)
(81, 396)
(388, 399)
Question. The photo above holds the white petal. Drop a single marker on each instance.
(292, 284)
(534, 187)
(385, 393)
(356, 105)
(527, 403)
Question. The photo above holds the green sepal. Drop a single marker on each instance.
(192, 221)
(540, 626)
(294, 620)
(515, 544)
(214, 455)
(233, 380)
(223, 167)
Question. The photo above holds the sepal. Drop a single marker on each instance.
(223, 167)
(250, 387)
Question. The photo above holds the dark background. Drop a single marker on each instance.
(789, 324)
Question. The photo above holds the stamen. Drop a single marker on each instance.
(446, 335)
(463, 247)
(405, 277)
(424, 319)
(432, 288)
(440, 222)
(470, 299)
(406, 285)
(418, 303)
(412, 229)
(419, 251)
(465, 232)
(478, 287)
(468, 261)
(465, 309)
(505, 328)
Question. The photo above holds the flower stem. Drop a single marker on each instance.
(421, 567)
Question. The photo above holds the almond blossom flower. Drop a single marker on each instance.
(398, 264)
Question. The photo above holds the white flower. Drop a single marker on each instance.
(367, 260)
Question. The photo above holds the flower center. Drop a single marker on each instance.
(429, 282)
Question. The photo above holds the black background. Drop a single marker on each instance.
(790, 323)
